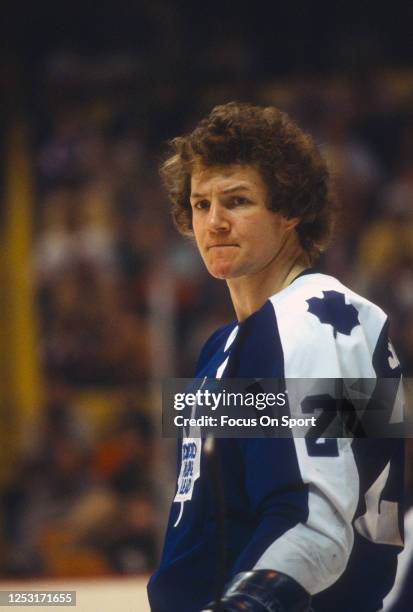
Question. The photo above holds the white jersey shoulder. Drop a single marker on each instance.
(326, 329)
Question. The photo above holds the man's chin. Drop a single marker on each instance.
(219, 272)
(224, 272)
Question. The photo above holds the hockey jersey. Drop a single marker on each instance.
(325, 512)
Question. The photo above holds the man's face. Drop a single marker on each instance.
(235, 232)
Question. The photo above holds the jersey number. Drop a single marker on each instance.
(317, 445)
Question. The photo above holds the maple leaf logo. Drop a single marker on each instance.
(333, 310)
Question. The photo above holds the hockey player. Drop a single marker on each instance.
(310, 523)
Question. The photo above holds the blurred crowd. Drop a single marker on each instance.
(81, 504)
(110, 270)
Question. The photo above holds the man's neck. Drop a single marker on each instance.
(249, 293)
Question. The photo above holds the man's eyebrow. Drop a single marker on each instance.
(236, 188)
(228, 190)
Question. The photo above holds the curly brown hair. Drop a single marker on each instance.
(292, 167)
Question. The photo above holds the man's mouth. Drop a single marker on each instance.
(220, 246)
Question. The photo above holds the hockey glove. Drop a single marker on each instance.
(262, 591)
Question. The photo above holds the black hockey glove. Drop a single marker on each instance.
(262, 591)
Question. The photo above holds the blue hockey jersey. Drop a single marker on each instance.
(325, 513)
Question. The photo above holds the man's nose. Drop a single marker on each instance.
(217, 218)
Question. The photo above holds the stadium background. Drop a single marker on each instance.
(101, 299)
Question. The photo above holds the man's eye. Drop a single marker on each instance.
(201, 205)
(239, 201)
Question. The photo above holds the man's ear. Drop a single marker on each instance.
(290, 224)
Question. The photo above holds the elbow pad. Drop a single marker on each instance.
(263, 591)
